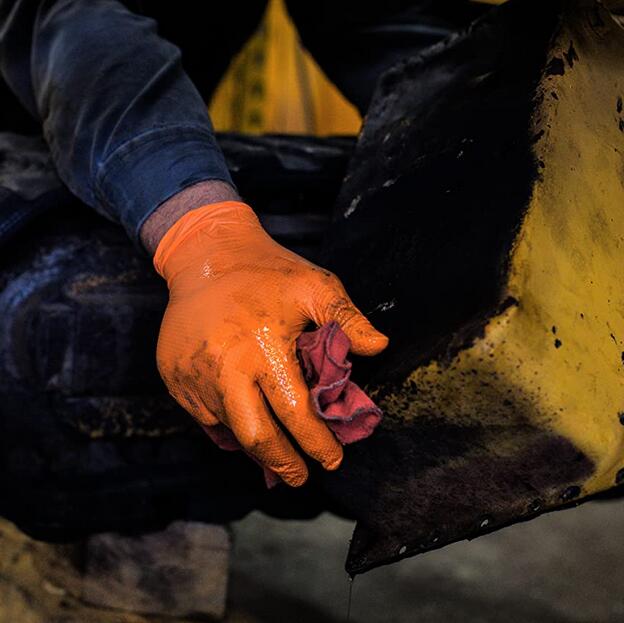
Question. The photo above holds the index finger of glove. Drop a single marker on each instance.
(290, 399)
(252, 424)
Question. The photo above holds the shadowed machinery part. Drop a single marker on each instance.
(90, 440)
(481, 224)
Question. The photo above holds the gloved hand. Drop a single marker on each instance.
(226, 351)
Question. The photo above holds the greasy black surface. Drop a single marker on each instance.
(89, 438)
(430, 484)
(439, 182)
(435, 194)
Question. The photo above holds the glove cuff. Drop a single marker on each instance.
(228, 213)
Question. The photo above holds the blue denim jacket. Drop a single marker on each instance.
(126, 127)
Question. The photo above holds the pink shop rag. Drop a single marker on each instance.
(344, 406)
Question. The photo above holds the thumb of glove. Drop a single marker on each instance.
(336, 305)
(365, 339)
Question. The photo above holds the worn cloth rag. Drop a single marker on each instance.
(344, 406)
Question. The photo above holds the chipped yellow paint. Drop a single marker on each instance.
(556, 358)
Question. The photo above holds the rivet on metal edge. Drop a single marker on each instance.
(571, 492)
(535, 506)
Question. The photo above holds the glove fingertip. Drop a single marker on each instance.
(366, 340)
(296, 480)
(333, 465)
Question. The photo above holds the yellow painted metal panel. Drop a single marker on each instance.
(558, 355)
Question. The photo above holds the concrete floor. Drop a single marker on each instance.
(563, 567)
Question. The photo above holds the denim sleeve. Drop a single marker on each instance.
(126, 127)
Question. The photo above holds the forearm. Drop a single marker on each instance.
(171, 210)
(126, 128)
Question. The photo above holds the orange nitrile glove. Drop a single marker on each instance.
(237, 303)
